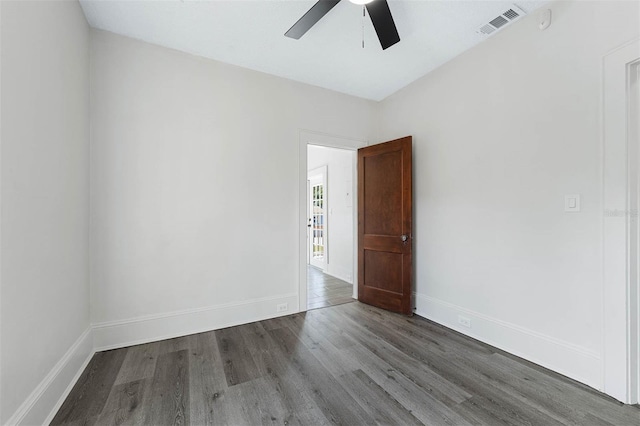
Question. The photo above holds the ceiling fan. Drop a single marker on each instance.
(378, 11)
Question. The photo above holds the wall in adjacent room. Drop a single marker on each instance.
(194, 188)
(44, 176)
(501, 134)
(340, 180)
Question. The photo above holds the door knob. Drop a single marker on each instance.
(404, 238)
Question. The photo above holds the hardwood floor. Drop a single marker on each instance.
(324, 290)
(349, 364)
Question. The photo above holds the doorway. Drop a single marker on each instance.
(330, 226)
(317, 225)
(340, 264)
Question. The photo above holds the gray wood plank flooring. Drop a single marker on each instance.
(324, 290)
(350, 364)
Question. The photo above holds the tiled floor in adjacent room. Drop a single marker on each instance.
(324, 290)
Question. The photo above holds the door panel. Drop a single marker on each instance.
(384, 271)
(383, 207)
(384, 217)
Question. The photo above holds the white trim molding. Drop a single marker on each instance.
(576, 362)
(620, 280)
(151, 328)
(45, 400)
(340, 276)
(1, 416)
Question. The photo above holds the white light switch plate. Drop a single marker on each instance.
(572, 203)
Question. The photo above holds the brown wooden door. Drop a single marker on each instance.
(384, 225)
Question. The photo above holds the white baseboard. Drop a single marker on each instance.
(563, 357)
(571, 360)
(339, 276)
(135, 331)
(43, 403)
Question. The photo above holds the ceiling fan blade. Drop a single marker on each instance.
(383, 23)
(309, 19)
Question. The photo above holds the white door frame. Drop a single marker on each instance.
(323, 171)
(634, 318)
(620, 355)
(307, 137)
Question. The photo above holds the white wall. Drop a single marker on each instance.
(45, 203)
(194, 187)
(339, 164)
(501, 133)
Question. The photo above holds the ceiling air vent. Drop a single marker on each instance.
(486, 29)
(501, 21)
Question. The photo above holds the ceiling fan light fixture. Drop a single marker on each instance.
(378, 11)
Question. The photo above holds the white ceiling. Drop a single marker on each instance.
(251, 34)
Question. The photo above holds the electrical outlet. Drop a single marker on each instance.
(464, 321)
(282, 307)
